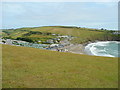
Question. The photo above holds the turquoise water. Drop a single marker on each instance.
(104, 48)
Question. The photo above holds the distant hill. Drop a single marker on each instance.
(82, 35)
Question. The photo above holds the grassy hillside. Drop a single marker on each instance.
(82, 34)
(34, 68)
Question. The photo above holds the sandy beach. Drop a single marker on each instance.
(78, 48)
(73, 48)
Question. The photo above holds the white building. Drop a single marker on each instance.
(63, 36)
(54, 45)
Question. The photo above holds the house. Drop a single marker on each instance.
(50, 41)
(116, 32)
(39, 41)
(54, 45)
(53, 34)
(63, 36)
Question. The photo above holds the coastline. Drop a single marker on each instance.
(76, 48)
(73, 48)
(83, 49)
(91, 49)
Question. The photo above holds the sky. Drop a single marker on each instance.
(82, 14)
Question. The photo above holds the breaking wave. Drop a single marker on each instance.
(103, 48)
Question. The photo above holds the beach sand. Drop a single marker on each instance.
(75, 48)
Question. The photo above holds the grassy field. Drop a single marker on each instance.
(34, 68)
(82, 34)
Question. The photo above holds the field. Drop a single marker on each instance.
(35, 68)
(25, 67)
(82, 35)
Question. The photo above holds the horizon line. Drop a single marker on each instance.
(58, 26)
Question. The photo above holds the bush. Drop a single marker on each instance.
(25, 39)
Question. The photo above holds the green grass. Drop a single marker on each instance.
(38, 37)
(83, 34)
(35, 68)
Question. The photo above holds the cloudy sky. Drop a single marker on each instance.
(83, 14)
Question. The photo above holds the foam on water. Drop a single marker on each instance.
(103, 48)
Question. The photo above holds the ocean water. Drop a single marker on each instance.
(103, 48)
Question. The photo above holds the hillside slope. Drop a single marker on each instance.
(35, 68)
(82, 35)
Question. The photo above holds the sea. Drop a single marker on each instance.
(104, 48)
